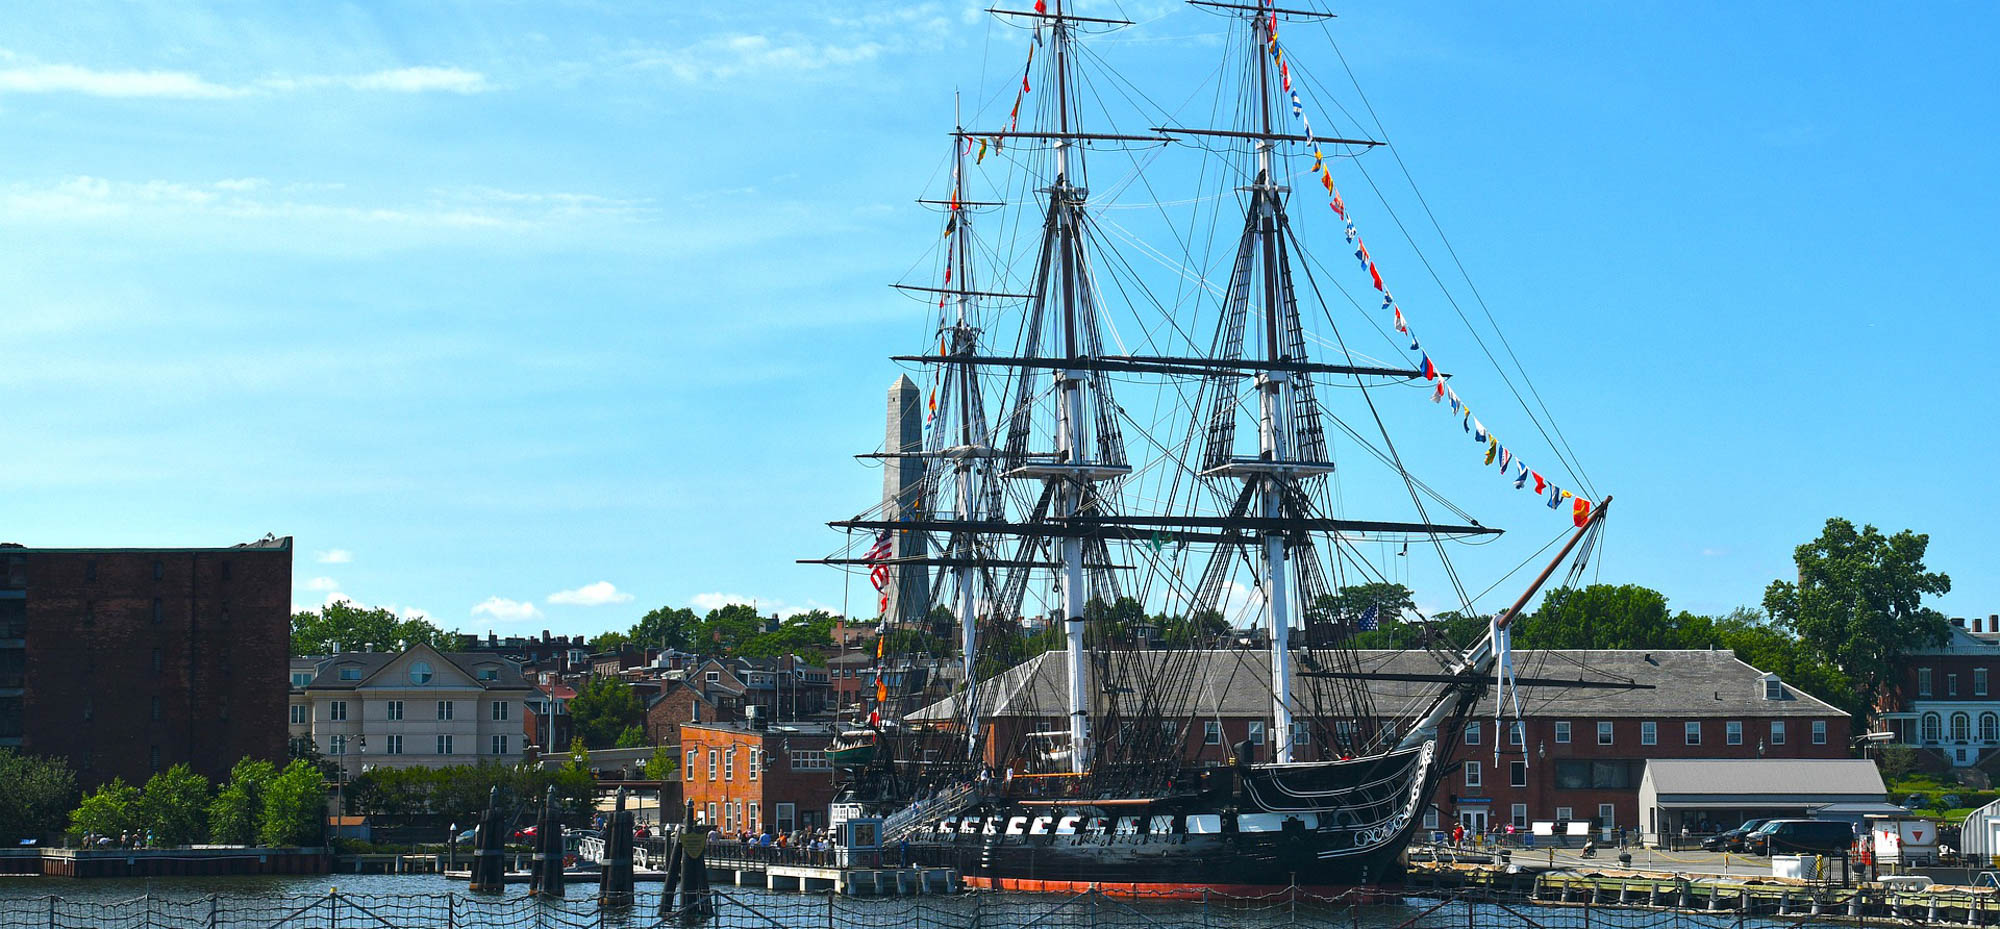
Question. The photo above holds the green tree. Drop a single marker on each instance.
(110, 810)
(1896, 762)
(1858, 602)
(667, 628)
(232, 815)
(35, 793)
(174, 806)
(294, 812)
(806, 634)
(632, 737)
(726, 628)
(1600, 616)
(609, 641)
(603, 709)
(352, 628)
(663, 765)
(576, 787)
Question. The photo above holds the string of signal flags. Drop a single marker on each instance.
(1511, 467)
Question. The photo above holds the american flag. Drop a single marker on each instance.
(878, 556)
(1368, 621)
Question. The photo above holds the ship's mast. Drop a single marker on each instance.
(1070, 445)
(1272, 405)
(962, 338)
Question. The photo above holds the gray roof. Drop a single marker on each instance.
(1675, 683)
(1800, 777)
(328, 678)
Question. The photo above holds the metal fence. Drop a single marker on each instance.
(749, 910)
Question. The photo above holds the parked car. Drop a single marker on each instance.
(1801, 837)
(1732, 841)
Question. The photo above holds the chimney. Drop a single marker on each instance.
(1959, 621)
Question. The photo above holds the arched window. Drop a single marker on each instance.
(1989, 728)
(1933, 729)
(1961, 727)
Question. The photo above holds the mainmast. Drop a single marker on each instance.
(964, 340)
(1065, 200)
(1271, 407)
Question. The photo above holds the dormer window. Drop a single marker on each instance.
(1774, 689)
(489, 673)
(421, 673)
(350, 672)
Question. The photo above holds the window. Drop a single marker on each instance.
(1979, 682)
(1472, 774)
(1819, 732)
(1951, 685)
(729, 764)
(421, 673)
(1989, 728)
(336, 710)
(712, 753)
(1472, 733)
(1649, 733)
(489, 673)
(157, 614)
(1693, 730)
(444, 709)
(1257, 732)
(1302, 733)
(1565, 813)
(1777, 732)
(90, 710)
(1517, 774)
(708, 815)
(751, 823)
(1774, 689)
(714, 677)
(1517, 733)
(89, 614)
(1607, 816)
(756, 764)
(1923, 681)
(787, 815)
(1933, 728)
(1604, 732)
(1211, 733)
(90, 570)
(1961, 727)
(1431, 816)
(687, 767)
(301, 678)
(1562, 732)
(499, 745)
(395, 709)
(350, 672)
(1732, 732)
(810, 761)
(1520, 816)
(444, 745)
(500, 711)
(395, 745)
(299, 717)
(337, 745)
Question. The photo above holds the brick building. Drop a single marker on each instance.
(1948, 702)
(680, 701)
(1576, 753)
(126, 661)
(743, 778)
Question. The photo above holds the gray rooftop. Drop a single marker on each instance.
(328, 677)
(1802, 777)
(1675, 683)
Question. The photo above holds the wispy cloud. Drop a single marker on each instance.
(334, 556)
(729, 56)
(185, 85)
(506, 610)
(598, 594)
(70, 79)
(322, 583)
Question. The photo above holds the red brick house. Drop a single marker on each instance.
(745, 779)
(680, 702)
(1579, 753)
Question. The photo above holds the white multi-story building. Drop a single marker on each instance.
(417, 708)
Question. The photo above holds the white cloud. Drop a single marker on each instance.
(597, 594)
(30, 78)
(729, 56)
(506, 610)
(45, 79)
(335, 556)
(322, 583)
(242, 184)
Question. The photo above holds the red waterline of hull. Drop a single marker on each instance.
(1366, 896)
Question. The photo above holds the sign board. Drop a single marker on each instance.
(1896, 841)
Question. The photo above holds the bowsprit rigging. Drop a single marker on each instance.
(1126, 520)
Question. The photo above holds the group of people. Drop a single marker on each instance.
(771, 844)
(127, 839)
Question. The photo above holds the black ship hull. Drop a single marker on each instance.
(1326, 824)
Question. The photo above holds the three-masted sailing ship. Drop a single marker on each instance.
(1120, 522)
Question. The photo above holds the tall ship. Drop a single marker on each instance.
(1137, 478)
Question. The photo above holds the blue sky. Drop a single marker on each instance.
(539, 315)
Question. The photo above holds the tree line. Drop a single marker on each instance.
(260, 804)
